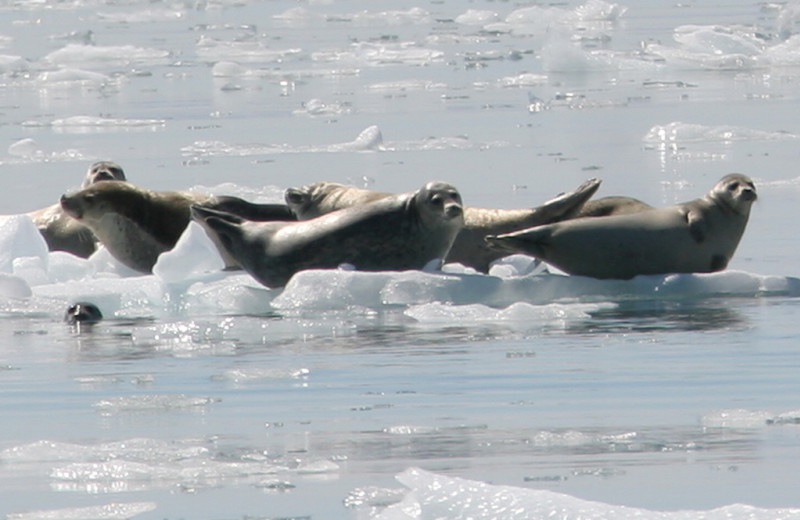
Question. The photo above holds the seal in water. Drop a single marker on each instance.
(400, 232)
(136, 224)
(82, 312)
(698, 236)
(469, 248)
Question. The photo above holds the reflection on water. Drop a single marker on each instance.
(664, 316)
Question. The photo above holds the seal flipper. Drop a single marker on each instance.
(697, 225)
(250, 210)
(569, 204)
(532, 241)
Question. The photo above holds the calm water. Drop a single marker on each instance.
(212, 397)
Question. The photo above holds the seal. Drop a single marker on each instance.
(103, 171)
(136, 224)
(469, 248)
(63, 233)
(614, 205)
(698, 236)
(401, 232)
(82, 312)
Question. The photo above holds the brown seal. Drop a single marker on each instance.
(63, 233)
(400, 232)
(698, 236)
(136, 224)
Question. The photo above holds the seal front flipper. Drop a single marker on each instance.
(698, 227)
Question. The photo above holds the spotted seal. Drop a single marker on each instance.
(136, 224)
(63, 233)
(400, 232)
(469, 248)
(698, 236)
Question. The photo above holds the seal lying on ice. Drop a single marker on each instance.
(400, 232)
(136, 224)
(698, 236)
(469, 248)
(63, 233)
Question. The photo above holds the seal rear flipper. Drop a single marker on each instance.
(531, 241)
(567, 205)
(250, 210)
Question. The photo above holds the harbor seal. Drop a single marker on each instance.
(401, 232)
(136, 224)
(103, 171)
(469, 248)
(63, 233)
(82, 312)
(613, 205)
(698, 236)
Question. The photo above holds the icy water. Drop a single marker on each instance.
(519, 394)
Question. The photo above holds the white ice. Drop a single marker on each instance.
(432, 496)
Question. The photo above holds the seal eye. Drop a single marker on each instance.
(437, 200)
(733, 186)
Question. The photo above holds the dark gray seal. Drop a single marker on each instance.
(470, 248)
(63, 233)
(400, 232)
(82, 313)
(136, 224)
(698, 236)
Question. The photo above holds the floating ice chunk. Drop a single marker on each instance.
(144, 16)
(406, 85)
(317, 107)
(678, 132)
(12, 64)
(32, 269)
(19, 237)
(13, 287)
(63, 267)
(193, 257)
(718, 40)
(72, 76)
(736, 418)
(113, 511)
(92, 122)
(792, 417)
(369, 139)
(154, 402)
(92, 56)
(526, 79)
(317, 467)
(213, 50)
(437, 496)
(436, 312)
(229, 69)
(243, 375)
(26, 147)
(599, 10)
(477, 17)
(785, 54)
